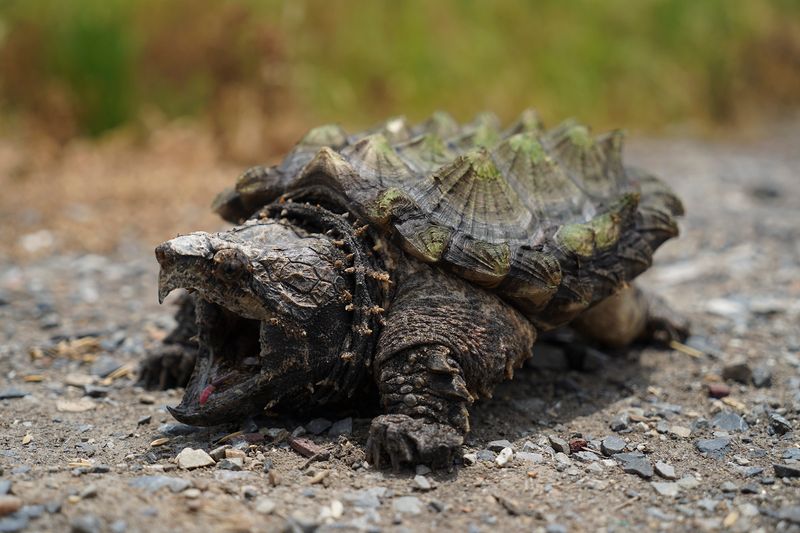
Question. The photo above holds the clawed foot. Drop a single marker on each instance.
(411, 441)
(664, 324)
(168, 367)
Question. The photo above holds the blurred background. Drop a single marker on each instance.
(120, 120)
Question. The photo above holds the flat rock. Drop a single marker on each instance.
(762, 376)
(714, 448)
(341, 427)
(498, 445)
(318, 425)
(155, 483)
(75, 406)
(559, 444)
(612, 445)
(190, 458)
(635, 463)
(265, 505)
(530, 457)
(407, 505)
(729, 421)
(680, 431)
(420, 482)
(667, 471)
(12, 394)
(784, 470)
(779, 424)
(666, 488)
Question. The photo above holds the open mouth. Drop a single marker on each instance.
(227, 375)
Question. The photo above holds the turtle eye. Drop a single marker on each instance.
(229, 265)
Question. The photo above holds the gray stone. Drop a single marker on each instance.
(33, 511)
(665, 470)
(729, 486)
(318, 425)
(529, 457)
(738, 371)
(190, 458)
(229, 464)
(790, 513)
(791, 453)
(779, 424)
(13, 523)
(104, 365)
(612, 445)
(341, 427)
(762, 377)
(407, 505)
(87, 523)
(635, 463)
(118, 526)
(714, 448)
(486, 455)
(783, 470)
(586, 456)
(559, 444)
(729, 421)
(366, 498)
(619, 423)
(421, 483)
(265, 505)
(688, 482)
(155, 483)
(12, 394)
(666, 488)
(5, 486)
(498, 445)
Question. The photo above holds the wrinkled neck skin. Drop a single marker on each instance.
(288, 310)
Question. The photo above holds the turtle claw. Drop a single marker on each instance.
(410, 441)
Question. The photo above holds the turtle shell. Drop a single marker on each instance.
(552, 220)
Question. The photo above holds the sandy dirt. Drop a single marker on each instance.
(81, 447)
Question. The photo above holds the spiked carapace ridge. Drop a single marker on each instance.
(552, 220)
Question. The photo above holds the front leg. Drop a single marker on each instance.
(445, 344)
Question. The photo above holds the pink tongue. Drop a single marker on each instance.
(206, 393)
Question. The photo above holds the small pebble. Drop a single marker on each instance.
(504, 457)
(190, 458)
(265, 505)
(635, 463)
(421, 483)
(87, 523)
(785, 470)
(762, 377)
(341, 427)
(559, 444)
(665, 470)
(738, 371)
(714, 448)
(612, 445)
(318, 426)
(718, 390)
(666, 488)
(779, 424)
(407, 505)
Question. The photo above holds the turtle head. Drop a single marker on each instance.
(270, 302)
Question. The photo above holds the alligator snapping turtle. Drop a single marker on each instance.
(416, 260)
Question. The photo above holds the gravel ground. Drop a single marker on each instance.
(698, 438)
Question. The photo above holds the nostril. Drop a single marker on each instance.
(162, 254)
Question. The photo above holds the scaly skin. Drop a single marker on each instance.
(299, 308)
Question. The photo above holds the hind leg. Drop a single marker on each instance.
(171, 364)
(632, 315)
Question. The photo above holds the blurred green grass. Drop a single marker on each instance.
(84, 67)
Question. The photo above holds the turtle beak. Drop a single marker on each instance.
(175, 256)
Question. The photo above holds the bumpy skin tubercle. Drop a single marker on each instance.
(418, 261)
